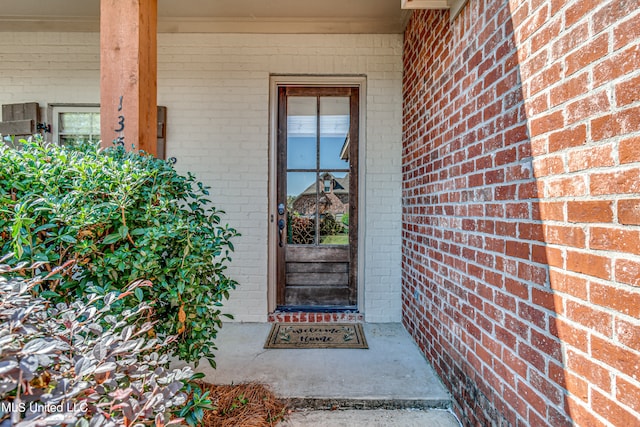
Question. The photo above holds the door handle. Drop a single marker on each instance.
(281, 225)
(281, 209)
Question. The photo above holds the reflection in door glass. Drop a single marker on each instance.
(333, 208)
(302, 131)
(318, 170)
(334, 131)
(301, 208)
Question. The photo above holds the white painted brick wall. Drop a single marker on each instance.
(216, 89)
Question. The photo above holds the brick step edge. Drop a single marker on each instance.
(364, 403)
(291, 317)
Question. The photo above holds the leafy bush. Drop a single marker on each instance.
(329, 225)
(345, 219)
(120, 216)
(79, 365)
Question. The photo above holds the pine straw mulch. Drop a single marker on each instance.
(246, 405)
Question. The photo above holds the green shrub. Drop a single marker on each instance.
(120, 217)
(345, 219)
(329, 225)
(76, 364)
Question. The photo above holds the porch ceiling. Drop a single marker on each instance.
(218, 16)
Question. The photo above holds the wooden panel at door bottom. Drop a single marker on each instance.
(317, 279)
(317, 276)
(317, 267)
(302, 253)
(317, 295)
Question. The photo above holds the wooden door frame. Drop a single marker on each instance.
(277, 81)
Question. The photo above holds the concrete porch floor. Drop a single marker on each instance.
(391, 375)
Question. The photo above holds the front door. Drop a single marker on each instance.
(317, 190)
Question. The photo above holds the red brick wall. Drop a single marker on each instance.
(521, 208)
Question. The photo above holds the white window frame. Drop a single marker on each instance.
(54, 111)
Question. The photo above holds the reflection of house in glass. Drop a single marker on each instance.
(320, 213)
(333, 197)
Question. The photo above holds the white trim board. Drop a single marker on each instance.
(454, 6)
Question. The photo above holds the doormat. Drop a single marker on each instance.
(316, 335)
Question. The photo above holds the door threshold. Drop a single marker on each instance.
(316, 309)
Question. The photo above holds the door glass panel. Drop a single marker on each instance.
(333, 208)
(334, 130)
(301, 208)
(302, 132)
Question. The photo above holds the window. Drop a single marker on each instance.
(327, 184)
(74, 122)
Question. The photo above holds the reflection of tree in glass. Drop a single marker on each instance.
(301, 230)
(329, 225)
(290, 200)
(345, 219)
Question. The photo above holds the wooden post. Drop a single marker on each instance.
(128, 73)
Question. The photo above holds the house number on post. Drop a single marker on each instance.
(120, 117)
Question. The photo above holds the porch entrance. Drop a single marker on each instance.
(317, 193)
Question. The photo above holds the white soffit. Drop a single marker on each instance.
(455, 6)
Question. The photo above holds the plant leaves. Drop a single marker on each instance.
(29, 365)
(84, 367)
(38, 346)
(89, 204)
(139, 294)
(69, 239)
(49, 294)
(106, 367)
(7, 365)
(100, 351)
(112, 238)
